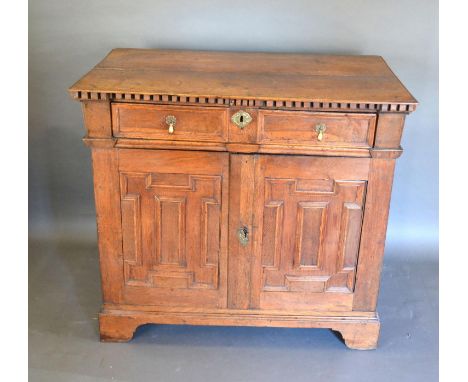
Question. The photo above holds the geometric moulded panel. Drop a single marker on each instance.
(310, 235)
(171, 225)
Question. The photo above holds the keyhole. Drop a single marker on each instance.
(242, 234)
(241, 119)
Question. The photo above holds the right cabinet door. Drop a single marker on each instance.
(307, 226)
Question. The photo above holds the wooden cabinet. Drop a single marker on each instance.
(242, 188)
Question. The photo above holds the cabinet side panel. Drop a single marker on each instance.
(108, 216)
(373, 234)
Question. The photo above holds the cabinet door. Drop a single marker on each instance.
(174, 226)
(307, 228)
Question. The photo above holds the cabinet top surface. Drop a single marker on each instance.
(249, 76)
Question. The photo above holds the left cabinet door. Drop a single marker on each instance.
(174, 227)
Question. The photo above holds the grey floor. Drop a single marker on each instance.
(64, 298)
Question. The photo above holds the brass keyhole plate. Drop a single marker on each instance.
(241, 118)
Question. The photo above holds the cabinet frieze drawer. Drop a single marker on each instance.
(316, 129)
(186, 123)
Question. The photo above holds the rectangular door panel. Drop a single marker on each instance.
(174, 225)
(307, 224)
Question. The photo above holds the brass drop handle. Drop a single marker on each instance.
(320, 129)
(243, 235)
(171, 121)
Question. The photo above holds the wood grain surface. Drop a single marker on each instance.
(247, 76)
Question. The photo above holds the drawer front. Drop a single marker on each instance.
(303, 128)
(149, 122)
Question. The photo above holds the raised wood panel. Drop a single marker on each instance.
(311, 218)
(305, 238)
(271, 238)
(308, 232)
(170, 250)
(172, 224)
(170, 215)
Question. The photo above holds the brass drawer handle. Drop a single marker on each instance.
(171, 121)
(320, 129)
(241, 119)
(243, 235)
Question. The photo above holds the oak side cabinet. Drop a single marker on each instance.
(242, 188)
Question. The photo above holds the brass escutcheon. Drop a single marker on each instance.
(241, 119)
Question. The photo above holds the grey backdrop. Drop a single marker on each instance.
(67, 38)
